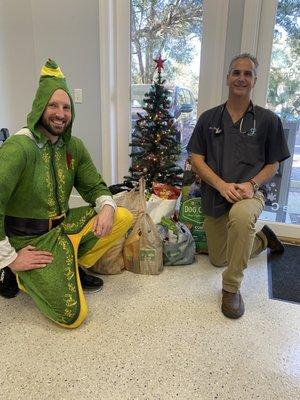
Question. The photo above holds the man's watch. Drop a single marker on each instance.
(254, 184)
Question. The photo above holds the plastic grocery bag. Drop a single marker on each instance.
(132, 201)
(143, 249)
(178, 243)
(158, 208)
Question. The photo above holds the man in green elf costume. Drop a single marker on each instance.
(42, 241)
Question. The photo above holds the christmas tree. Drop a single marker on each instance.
(155, 147)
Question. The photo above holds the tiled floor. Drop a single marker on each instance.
(156, 337)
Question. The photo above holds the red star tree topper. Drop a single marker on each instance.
(159, 63)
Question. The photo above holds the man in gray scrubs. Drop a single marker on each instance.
(236, 148)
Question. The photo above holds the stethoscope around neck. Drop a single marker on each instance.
(218, 130)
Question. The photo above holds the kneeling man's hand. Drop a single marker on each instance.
(104, 221)
(246, 190)
(30, 258)
(230, 192)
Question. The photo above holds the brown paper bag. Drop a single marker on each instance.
(143, 248)
(111, 262)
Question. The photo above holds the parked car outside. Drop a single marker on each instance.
(183, 108)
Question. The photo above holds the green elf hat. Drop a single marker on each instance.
(51, 79)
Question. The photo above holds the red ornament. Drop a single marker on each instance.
(159, 63)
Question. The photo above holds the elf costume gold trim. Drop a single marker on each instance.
(36, 180)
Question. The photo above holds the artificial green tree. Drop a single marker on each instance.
(155, 146)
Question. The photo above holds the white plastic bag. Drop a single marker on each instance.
(158, 208)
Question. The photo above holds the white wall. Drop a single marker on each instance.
(17, 63)
(67, 31)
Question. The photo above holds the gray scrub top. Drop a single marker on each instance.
(235, 156)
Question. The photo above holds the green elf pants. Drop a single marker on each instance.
(56, 289)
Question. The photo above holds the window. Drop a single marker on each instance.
(283, 192)
(172, 29)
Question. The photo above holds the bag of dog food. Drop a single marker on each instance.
(190, 212)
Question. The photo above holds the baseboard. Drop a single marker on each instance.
(288, 240)
(287, 231)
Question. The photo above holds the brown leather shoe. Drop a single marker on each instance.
(273, 243)
(232, 304)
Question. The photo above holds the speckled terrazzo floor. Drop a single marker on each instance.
(159, 337)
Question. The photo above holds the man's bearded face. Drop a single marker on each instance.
(57, 114)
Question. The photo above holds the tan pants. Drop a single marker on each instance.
(232, 240)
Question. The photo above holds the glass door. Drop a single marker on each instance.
(283, 196)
